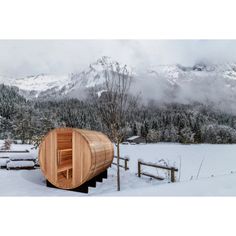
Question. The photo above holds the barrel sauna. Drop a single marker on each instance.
(69, 157)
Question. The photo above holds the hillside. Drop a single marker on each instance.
(203, 82)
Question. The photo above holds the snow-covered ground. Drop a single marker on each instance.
(215, 159)
(204, 170)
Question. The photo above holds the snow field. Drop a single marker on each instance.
(216, 159)
(205, 170)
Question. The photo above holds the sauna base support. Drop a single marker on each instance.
(84, 187)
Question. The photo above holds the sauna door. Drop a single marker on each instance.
(64, 157)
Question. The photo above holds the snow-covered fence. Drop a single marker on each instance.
(17, 165)
(17, 161)
(22, 157)
(3, 162)
(169, 168)
(10, 151)
(125, 159)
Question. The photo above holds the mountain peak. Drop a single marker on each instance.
(105, 60)
(106, 63)
(44, 85)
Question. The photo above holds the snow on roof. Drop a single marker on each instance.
(132, 138)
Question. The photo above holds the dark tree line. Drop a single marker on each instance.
(195, 123)
(192, 123)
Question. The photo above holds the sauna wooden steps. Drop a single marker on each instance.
(84, 188)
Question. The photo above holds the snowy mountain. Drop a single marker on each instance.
(53, 86)
(206, 83)
(175, 83)
(36, 86)
(177, 73)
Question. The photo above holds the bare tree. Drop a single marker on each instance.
(115, 106)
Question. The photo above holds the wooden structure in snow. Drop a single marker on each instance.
(70, 157)
(19, 165)
(168, 168)
(17, 160)
(125, 160)
(135, 140)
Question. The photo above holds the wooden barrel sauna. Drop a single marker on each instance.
(70, 157)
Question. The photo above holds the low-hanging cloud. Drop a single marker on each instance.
(211, 89)
(30, 57)
(27, 57)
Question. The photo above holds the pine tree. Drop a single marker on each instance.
(134, 130)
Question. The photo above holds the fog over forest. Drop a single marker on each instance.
(186, 88)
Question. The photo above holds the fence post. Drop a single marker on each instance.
(126, 164)
(172, 175)
(139, 169)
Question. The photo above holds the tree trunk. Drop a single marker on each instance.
(118, 166)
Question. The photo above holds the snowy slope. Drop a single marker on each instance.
(169, 83)
(48, 86)
(42, 82)
(208, 84)
(175, 73)
(215, 186)
(200, 76)
(216, 177)
(94, 76)
(33, 86)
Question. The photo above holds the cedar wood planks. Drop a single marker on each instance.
(92, 153)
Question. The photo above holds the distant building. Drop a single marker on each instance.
(135, 139)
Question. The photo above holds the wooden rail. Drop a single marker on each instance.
(9, 151)
(125, 159)
(169, 168)
(152, 176)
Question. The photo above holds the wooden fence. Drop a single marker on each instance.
(125, 159)
(169, 168)
(9, 151)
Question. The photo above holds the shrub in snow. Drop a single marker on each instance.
(153, 136)
(7, 144)
(36, 139)
(186, 136)
(218, 134)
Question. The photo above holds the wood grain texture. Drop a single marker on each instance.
(70, 157)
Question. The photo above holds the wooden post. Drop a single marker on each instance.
(139, 169)
(118, 165)
(172, 175)
(126, 164)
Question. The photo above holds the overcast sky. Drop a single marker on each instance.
(29, 57)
